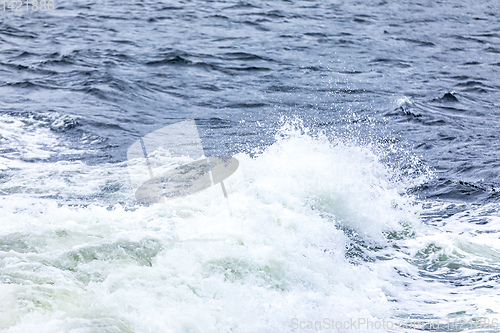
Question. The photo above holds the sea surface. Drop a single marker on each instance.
(368, 187)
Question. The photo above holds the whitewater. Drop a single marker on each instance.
(313, 230)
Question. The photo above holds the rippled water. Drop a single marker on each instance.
(369, 149)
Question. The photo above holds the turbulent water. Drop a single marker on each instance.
(368, 188)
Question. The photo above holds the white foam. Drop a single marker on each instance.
(278, 250)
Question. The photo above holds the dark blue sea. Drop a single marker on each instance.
(368, 189)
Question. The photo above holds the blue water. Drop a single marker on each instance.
(401, 96)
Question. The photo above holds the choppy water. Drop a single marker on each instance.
(369, 149)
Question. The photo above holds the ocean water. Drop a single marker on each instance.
(367, 196)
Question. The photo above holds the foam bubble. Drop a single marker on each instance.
(312, 229)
